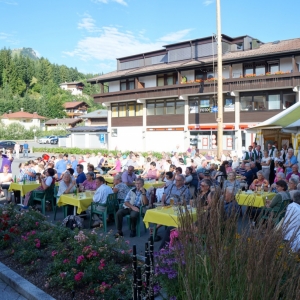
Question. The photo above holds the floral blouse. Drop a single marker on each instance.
(89, 185)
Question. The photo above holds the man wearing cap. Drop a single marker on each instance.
(207, 176)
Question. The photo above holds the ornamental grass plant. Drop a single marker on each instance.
(226, 258)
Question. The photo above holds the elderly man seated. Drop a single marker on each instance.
(128, 177)
(231, 207)
(100, 196)
(120, 188)
(134, 200)
(178, 191)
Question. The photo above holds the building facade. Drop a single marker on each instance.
(74, 87)
(26, 119)
(75, 109)
(95, 118)
(162, 98)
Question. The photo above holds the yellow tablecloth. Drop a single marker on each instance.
(165, 216)
(109, 180)
(254, 200)
(82, 200)
(24, 189)
(154, 184)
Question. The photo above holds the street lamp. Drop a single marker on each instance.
(34, 131)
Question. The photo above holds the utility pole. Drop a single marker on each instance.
(220, 83)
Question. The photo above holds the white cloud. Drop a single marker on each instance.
(208, 2)
(175, 36)
(9, 38)
(87, 23)
(122, 2)
(9, 2)
(107, 43)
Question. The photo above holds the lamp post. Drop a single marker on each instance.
(220, 83)
(34, 131)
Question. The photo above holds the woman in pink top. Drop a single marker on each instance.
(116, 168)
(152, 173)
(89, 183)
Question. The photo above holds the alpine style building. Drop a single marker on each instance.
(159, 99)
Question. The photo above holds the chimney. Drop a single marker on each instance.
(22, 109)
(9, 111)
(35, 113)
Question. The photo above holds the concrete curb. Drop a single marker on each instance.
(21, 285)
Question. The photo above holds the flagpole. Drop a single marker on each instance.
(220, 83)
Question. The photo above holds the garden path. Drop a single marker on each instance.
(7, 293)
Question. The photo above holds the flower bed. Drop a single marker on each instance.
(60, 261)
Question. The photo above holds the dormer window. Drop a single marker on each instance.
(240, 46)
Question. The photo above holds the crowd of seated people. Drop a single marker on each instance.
(188, 175)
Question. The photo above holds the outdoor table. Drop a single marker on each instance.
(82, 201)
(23, 188)
(165, 216)
(253, 199)
(109, 180)
(155, 184)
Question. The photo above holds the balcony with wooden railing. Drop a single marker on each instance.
(266, 82)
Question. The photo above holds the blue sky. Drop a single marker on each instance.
(91, 34)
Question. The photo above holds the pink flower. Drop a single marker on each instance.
(54, 253)
(80, 258)
(127, 242)
(36, 223)
(38, 245)
(122, 252)
(63, 275)
(78, 276)
(66, 261)
(102, 264)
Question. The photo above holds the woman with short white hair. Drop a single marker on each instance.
(293, 182)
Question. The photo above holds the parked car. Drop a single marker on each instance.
(43, 140)
(46, 139)
(54, 141)
(9, 145)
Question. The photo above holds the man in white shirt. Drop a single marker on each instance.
(174, 159)
(291, 223)
(284, 152)
(100, 196)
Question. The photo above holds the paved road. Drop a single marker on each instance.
(7, 293)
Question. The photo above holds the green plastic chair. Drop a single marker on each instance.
(110, 208)
(64, 207)
(138, 222)
(43, 197)
(276, 213)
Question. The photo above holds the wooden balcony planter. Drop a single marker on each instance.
(231, 84)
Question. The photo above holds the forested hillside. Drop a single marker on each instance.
(33, 84)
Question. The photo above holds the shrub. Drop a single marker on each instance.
(76, 260)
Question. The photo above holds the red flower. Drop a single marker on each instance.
(80, 258)
(78, 276)
(6, 237)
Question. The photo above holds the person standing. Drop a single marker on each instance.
(17, 150)
(265, 164)
(25, 149)
(60, 166)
